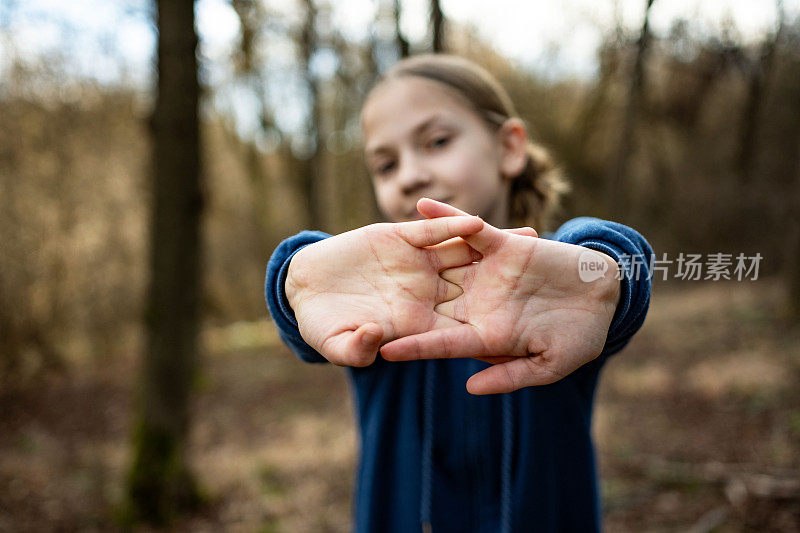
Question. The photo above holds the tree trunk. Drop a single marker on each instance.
(760, 74)
(437, 23)
(250, 66)
(402, 42)
(160, 483)
(311, 168)
(792, 265)
(597, 100)
(616, 187)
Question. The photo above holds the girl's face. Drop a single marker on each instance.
(422, 139)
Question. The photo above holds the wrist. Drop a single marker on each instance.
(296, 281)
(606, 287)
(613, 274)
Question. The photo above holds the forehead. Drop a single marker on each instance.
(397, 106)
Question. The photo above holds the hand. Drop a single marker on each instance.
(524, 307)
(355, 291)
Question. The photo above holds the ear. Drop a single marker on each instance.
(513, 139)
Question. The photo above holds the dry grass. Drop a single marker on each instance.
(700, 408)
(703, 399)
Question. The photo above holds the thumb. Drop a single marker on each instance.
(354, 348)
(513, 375)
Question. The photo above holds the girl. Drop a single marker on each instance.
(526, 322)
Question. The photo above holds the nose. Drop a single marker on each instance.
(413, 175)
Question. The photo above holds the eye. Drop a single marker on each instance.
(438, 142)
(384, 167)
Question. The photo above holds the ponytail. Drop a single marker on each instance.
(535, 194)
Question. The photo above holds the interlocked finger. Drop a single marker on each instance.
(457, 275)
(487, 239)
(452, 253)
(422, 233)
(451, 292)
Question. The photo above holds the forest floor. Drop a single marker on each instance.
(697, 428)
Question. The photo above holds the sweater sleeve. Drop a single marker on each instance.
(633, 254)
(275, 294)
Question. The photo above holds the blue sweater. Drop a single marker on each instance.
(434, 457)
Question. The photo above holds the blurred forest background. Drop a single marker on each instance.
(690, 135)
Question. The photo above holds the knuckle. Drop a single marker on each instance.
(446, 344)
(512, 381)
(430, 233)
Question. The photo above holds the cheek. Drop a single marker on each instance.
(387, 198)
(476, 176)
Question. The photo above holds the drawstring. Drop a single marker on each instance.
(505, 465)
(427, 455)
(427, 448)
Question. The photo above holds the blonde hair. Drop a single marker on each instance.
(535, 193)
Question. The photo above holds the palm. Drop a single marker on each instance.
(520, 300)
(524, 306)
(357, 290)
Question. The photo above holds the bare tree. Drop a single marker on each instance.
(792, 267)
(370, 51)
(437, 24)
(250, 67)
(760, 71)
(160, 481)
(402, 42)
(626, 146)
(311, 168)
(586, 122)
